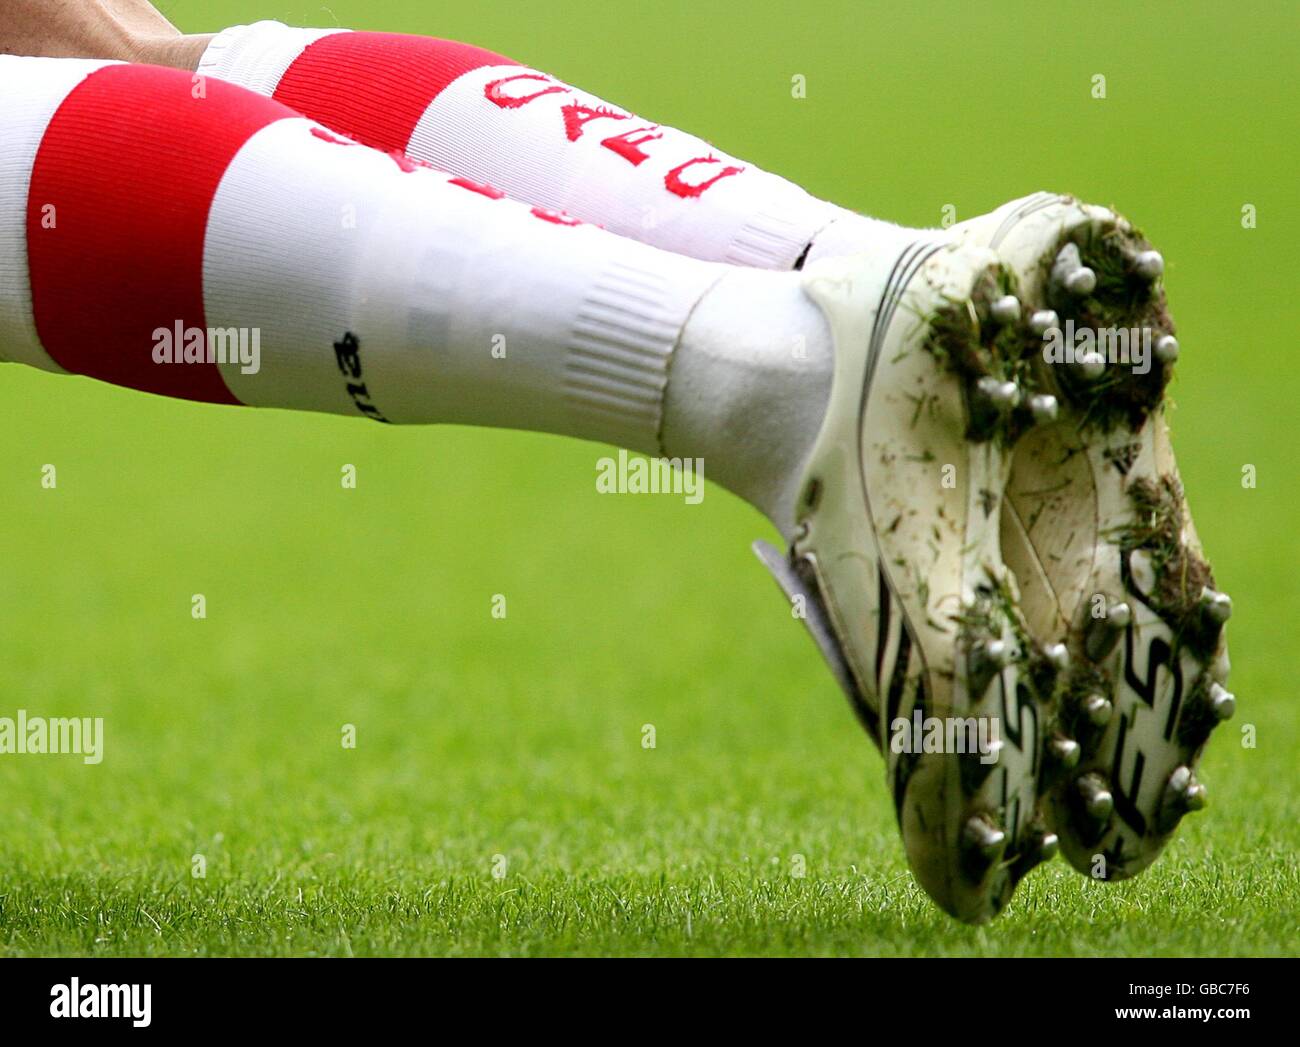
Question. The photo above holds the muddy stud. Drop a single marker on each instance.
(1047, 846)
(1065, 751)
(1223, 703)
(996, 652)
(1097, 709)
(1058, 655)
(1044, 408)
(983, 839)
(1217, 605)
(1103, 633)
(1183, 793)
(1180, 779)
(1069, 272)
(1097, 800)
(1081, 282)
(1149, 264)
(1006, 310)
(1091, 365)
(1001, 395)
(1044, 320)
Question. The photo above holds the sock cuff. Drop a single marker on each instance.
(257, 56)
(776, 236)
(627, 327)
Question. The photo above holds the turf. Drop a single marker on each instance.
(522, 736)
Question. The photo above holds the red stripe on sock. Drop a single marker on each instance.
(130, 164)
(374, 87)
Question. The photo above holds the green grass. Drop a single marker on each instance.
(521, 737)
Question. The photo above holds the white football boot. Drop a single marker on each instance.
(1096, 528)
(896, 562)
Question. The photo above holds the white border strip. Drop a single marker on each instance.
(32, 89)
(257, 56)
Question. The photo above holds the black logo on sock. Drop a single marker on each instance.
(347, 352)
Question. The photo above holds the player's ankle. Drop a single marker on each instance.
(852, 233)
(748, 386)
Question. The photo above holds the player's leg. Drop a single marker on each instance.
(1128, 740)
(549, 144)
(1127, 749)
(377, 286)
(194, 239)
(482, 115)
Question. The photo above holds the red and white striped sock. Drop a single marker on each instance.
(156, 228)
(468, 110)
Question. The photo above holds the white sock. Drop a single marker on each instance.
(131, 209)
(477, 113)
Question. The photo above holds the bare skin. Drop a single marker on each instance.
(125, 30)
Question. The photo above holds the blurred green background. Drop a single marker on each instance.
(521, 737)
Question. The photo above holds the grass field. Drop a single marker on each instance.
(521, 737)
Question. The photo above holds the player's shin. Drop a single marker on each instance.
(480, 114)
(200, 241)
